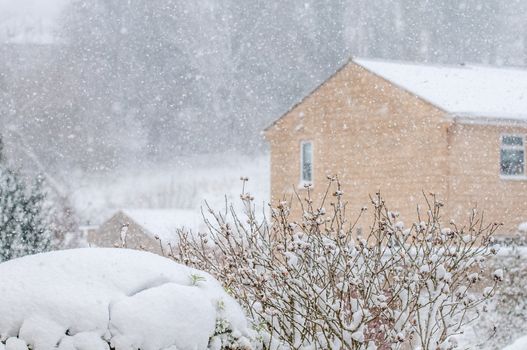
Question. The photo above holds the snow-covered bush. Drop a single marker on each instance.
(35, 215)
(316, 284)
(25, 221)
(505, 316)
(97, 299)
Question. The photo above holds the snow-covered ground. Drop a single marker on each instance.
(519, 344)
(183, 185)
(86, 298)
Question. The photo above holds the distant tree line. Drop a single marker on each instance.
(140, 81)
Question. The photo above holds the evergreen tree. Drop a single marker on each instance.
(25, 225)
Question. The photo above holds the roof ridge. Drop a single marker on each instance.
(462, 65)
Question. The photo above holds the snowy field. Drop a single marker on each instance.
(186, 184)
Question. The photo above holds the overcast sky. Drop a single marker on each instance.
(45, 9)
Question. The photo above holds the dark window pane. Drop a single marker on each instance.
(512, 140)
(512, 162)
(307, 161)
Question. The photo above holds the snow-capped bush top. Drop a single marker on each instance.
(89, 298)
(319, 282)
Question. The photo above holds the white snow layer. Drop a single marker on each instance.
(75, 298)
(519, 344)
(468, 90)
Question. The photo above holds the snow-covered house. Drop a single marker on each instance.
(144, 229)
(404, 128)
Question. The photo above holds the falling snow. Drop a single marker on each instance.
(157, 109)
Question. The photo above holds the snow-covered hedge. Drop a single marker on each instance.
(91, 299)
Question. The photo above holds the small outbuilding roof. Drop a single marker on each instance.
(165, 222)
(461, 90)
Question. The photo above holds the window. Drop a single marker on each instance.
(512, 155)
(306, 161)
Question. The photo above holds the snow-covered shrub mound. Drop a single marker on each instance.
(91, 299)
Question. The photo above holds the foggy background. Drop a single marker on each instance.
(100, 88)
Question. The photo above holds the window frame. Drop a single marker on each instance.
(304, 182)
(522, 176)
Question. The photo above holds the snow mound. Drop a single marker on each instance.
(89, 298)
(519, 344)
(522, 228)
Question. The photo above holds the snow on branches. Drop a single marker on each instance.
(315, 284)
(25, 219)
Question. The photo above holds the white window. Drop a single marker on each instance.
(512, 155)
(306, 162)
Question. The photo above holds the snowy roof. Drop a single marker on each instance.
(165, 222)
(464, 90)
